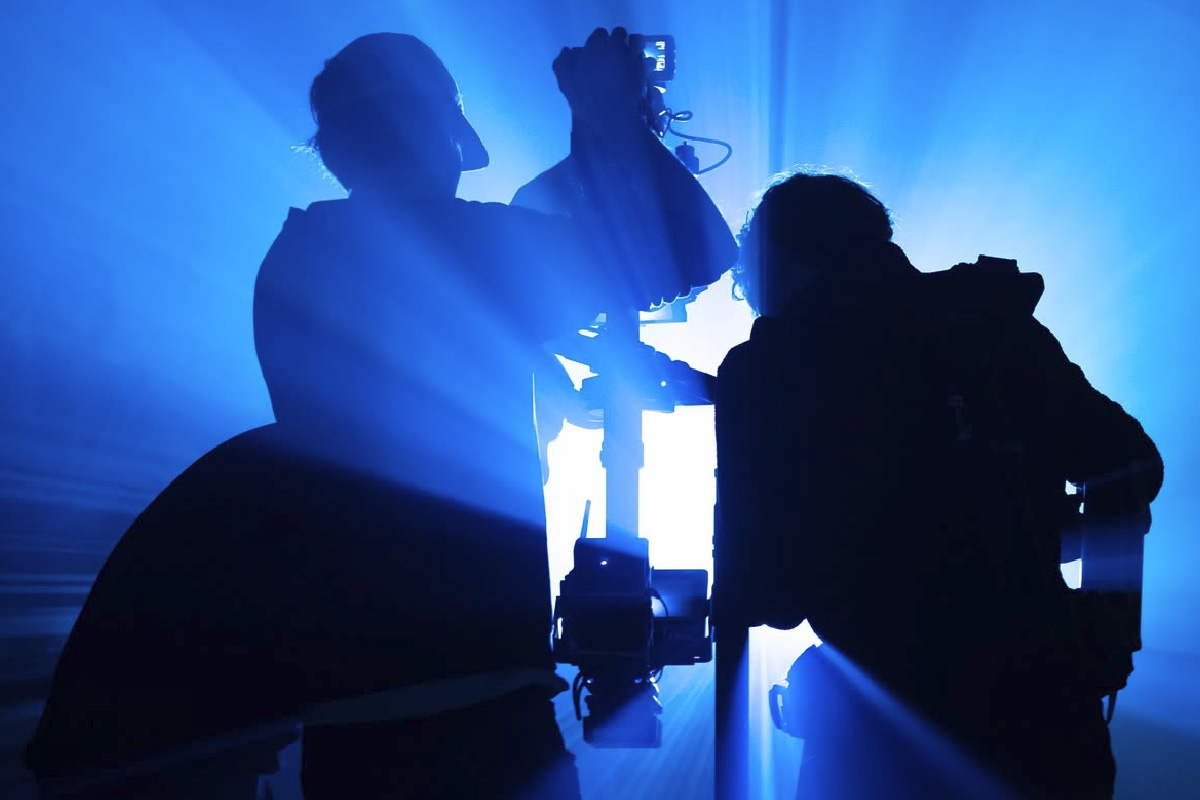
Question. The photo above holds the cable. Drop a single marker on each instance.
(685, 116)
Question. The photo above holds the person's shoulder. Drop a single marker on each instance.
(485, 208)
(741, 356)
(737, 354)
(319, 209)
(303, 222)
(324, 211)
(510, 220)
(480, 207)
(552, 191)
(305, 232)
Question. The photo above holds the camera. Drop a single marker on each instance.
(660, 68)
(621, 622)
(617, 619)
(660, 48)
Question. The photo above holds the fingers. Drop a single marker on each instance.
(599, 41)
(618, 39)
(617, 45)
(605, 78)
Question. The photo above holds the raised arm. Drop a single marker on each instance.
(651, 230)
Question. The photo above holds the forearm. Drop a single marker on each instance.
(659, 208)
(654, 233)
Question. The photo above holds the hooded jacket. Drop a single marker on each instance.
(892, 455)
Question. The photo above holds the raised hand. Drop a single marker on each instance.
(603, 81)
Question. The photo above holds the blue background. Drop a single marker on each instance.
(149, 152)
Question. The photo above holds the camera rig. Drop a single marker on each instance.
(619, 620)
(659, 52)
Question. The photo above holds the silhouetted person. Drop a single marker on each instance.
(892, 451)
(375, 563)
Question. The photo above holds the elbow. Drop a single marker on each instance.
(712, 254)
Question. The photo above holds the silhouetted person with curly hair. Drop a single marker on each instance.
(893, 448)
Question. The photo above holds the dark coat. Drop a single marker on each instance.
(892, 456)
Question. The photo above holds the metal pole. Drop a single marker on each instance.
(623, 452)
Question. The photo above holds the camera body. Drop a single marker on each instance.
(660, 48)
(621, 621)
(659, 51)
